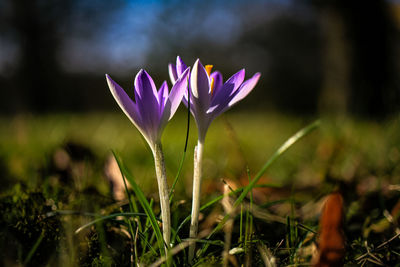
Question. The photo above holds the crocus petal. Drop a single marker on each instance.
(144, 86)
(163, 95)
(200, 86)
(245, 89)
(224, 95)
(180, 66)
(175, 71)
(209, 96)
(218, 82)
(177, 92)
(125, 102)
(185, 102)
(185, 95)
(175, 97)
(184, 99)
(212, 109)
(236, 79)
(172, 73)
(147, 101)
(221, 99)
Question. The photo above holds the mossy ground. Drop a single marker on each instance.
(54, 173)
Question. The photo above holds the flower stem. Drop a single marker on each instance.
(163, 192)
(197, 174)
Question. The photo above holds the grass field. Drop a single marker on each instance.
(57, 172)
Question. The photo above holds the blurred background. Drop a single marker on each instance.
(332, 56)
(337, 60)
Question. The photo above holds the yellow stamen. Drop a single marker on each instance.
(208, 69)
(212, 86)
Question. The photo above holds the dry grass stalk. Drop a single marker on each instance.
(227, 204)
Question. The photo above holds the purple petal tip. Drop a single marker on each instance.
(257, 75)
(141, 75)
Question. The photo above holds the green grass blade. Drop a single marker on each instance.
(135, 209)
(208, 204)
(34, 248)
(241, 225)
(71, 212)
(249, 219)
(171, 194)
(146, 227)
(111, 216)
(283, 148)
(219, 243)
(291, 141)
(146, 243)
(144, 203)
(127, 193)
(275, 202)
(133, 243)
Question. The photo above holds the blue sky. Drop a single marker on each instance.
(127, 34)
(98, 37)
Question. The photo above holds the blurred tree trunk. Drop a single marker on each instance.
(360, 72)
(35, 23)
(336, 64)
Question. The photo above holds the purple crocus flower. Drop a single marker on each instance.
(209, 96)
(152, 109)
(150, 114)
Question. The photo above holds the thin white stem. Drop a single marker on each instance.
(163, 192)
(197, 175)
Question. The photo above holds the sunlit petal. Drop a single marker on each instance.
(180, 66)
(174, 99)
(236, 79)
(172, 73)
(200, 85)
(125, 103)
(245, 89)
